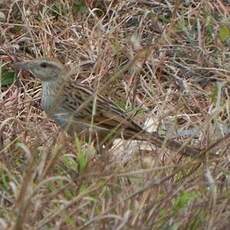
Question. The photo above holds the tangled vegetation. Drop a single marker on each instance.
(168, 63)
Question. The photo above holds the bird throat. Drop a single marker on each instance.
(50, 97)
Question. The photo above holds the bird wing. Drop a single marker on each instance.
(90, 108)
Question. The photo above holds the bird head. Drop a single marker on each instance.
(45, 70)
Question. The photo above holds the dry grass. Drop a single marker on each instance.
(167, 59)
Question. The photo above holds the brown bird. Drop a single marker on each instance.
(79, 109)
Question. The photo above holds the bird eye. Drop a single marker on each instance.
(43, 65)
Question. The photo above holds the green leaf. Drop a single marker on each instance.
(183, 200)
(81, 156)
(70, 163)
(224, 33)
(7, 77)
(82, 160)
(79, 6)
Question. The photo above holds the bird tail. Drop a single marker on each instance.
(155, 139)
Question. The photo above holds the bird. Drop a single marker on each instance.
(79, 109)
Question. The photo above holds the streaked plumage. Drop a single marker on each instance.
(71, 105)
